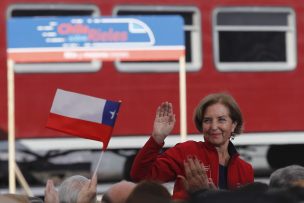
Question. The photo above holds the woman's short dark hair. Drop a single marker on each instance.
(222, 98)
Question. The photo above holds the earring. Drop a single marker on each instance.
(232, 136)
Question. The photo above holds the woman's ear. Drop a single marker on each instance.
(234, 124)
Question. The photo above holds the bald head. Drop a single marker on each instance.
(119, 192)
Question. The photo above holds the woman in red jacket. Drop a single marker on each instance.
(218, 118)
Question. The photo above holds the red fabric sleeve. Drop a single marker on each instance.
(149, 164)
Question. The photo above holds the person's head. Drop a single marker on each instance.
(149, 192)
(286, 177)
(277, 196)
(218, 116)
(70, 188)
(14, 198)
(118, 192)
(255, 187)
(299, 183)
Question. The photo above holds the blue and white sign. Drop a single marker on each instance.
(101, 38)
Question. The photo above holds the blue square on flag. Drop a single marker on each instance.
(110, 112)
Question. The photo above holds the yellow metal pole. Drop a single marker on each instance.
(183, 98)
(11, 126)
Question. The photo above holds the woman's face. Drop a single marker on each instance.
(217, 124)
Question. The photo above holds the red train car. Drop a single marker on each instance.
(252, 49)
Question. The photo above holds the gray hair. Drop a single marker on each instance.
(70, 188)
(286, 177)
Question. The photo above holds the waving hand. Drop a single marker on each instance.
(164, 122)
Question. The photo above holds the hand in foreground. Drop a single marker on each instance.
(164, 122)
(196, 177)
(87, 193)
(50, 193)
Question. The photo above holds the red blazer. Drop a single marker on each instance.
(151, 164)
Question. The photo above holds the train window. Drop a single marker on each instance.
(31, 10)
(254, 39)
(193, 43)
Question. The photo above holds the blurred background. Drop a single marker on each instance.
(251, 49)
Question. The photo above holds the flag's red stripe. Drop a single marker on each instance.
(80, 128)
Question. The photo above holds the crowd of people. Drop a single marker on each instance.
(286, 186)
(209, 171)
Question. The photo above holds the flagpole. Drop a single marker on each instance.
(12, 165)
(182, 98)
(98, 163)
(11, 126)
(22, 181)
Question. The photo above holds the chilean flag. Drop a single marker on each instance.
(83, 116)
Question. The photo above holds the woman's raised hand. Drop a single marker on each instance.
(164, 122)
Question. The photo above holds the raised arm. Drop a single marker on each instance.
(164, 122)
(148, 164)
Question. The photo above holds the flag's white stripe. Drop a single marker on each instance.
(78, 106)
